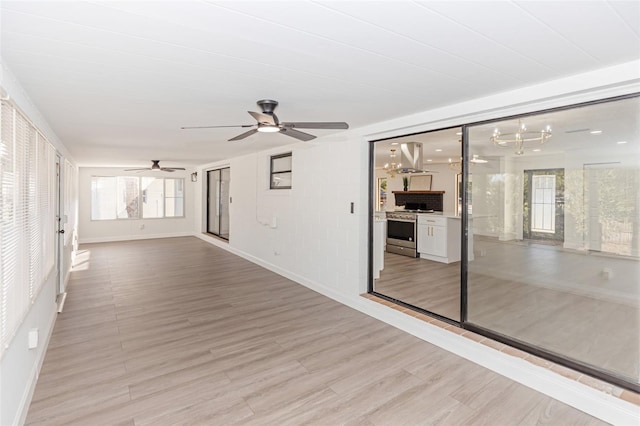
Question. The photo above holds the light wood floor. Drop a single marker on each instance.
(537, 294)
(176, 331)
(429, 285)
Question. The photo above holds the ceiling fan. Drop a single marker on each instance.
(155, 167)
(267, 122)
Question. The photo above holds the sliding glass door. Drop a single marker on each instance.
(417, 223)
(554, 236)
(218, 202)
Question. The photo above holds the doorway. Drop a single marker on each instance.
(218, 182)
(59, 260)
(543, 206)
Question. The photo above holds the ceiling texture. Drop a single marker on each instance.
(117, 79)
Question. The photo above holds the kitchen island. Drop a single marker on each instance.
(439, 236)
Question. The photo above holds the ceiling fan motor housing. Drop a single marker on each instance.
(267, 105)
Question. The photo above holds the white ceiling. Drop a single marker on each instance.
(117, 79)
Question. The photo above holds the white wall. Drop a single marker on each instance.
(318, 243)
(20, 366)
(91, 231)
(315, 237)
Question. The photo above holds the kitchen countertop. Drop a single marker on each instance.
(451, 215)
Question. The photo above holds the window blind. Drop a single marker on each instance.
(27, 208)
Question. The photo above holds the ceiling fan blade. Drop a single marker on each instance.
(171, 169)
(317, 125)
(297, 134)
(137, 170)
(244, 135)
(214, 127)
(264, 118)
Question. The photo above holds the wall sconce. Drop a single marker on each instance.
(194, 177)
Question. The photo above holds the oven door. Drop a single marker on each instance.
(401, 232)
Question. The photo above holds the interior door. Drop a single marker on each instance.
(60, 222)
(543, 209)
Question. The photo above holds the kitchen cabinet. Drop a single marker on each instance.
(439, 238)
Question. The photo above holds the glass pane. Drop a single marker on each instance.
(281, 164)
(213, 205)
(281, 180)
(225, 180)
(127, 197)
(576, 296)
(174, 197)
(152, 197)
(417, 257)
(103, 198)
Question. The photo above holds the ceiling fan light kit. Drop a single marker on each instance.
(267, 122)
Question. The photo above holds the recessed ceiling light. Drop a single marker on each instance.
(621, 142)
(438, 150)
(394, 143)
(537, 150)
(429, 159)
(595, 132)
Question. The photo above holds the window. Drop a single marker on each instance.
(281, 171)
(174, 197)
(118, 197)
(543, 203)
(152, 197)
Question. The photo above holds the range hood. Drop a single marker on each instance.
(410, 158)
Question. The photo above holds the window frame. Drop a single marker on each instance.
(274, 174)
(140, 210)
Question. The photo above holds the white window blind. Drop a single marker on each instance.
(27, 210)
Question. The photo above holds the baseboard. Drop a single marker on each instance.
(573, 393)
(23, 408)
(133, 237)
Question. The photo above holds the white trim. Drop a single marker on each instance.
(25, 401)
(133, 237)
(582, 397)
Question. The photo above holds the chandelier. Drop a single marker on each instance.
(392, 167)
(518, 138)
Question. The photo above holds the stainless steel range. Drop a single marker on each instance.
(401, 233)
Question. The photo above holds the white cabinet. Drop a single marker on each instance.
(439, 238)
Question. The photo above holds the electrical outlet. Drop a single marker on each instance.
(33, 338)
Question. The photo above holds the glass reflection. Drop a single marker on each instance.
(554, 235)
